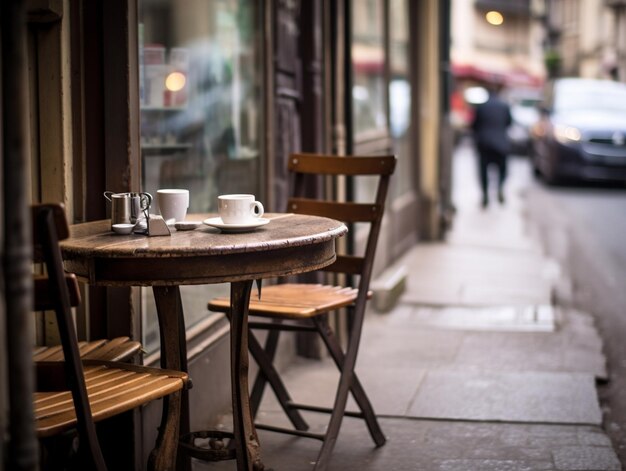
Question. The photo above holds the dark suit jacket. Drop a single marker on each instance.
(491, 121)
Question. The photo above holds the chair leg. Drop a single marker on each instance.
(271, 344)
(163, 457)
(334, 424)
(269, 374)
(356, 388)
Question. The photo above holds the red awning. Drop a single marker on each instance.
(513, 78)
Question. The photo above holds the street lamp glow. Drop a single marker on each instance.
(494, 18)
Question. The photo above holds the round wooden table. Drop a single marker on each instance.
(289, 244)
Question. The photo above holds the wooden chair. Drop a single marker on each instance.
(117, 349)
(309, 304)
(76, 394)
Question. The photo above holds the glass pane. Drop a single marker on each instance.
(201, 97)
(400, 95)
(368, 61)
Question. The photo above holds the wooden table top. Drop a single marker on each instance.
(289, 244)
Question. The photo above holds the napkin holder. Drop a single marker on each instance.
(157, 226)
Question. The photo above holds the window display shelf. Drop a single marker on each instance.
(163, 108)
(163, 149)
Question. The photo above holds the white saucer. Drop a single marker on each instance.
(123, 229)
(249, 226)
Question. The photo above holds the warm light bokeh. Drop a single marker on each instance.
(494, 18)
(175, 81)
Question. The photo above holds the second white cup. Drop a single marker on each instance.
(173, 203)
(239, 209)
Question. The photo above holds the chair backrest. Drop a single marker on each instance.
(350, 212)
(45, 295)
(58, 291)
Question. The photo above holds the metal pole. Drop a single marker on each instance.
(23, 448)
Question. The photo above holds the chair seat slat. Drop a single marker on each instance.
(48, 353)
(110, 406)
(55, 353)
(97, 393)
(294, 300)
(95, 384)
(117, 349)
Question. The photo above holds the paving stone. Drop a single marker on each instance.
(426, 446)
(580, 360)
(492, 465)
(595, 437)
(524, 397)
(587, 458)
(510, 318)
(529, 291)
(436, 259)
(559, 351)
(474, 276)
(511, 351)
(391, 340)
(390, 388)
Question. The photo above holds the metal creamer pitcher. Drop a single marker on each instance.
(128, 208)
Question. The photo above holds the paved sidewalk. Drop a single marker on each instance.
(475, 369)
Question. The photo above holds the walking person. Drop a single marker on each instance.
(491, 120)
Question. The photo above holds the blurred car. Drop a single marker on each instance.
(525, 113)
(581, 133)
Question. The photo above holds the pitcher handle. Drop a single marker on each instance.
(108, 194)
(145, 196)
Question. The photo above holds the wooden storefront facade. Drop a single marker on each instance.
(300, 75)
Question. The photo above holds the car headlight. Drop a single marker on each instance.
(565, 134)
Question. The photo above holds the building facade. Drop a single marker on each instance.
(588, 38)
(507, 47)
(212, 96)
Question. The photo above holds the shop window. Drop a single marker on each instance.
(200, 87)
(379, 127)
(368, 68)
(400, 95)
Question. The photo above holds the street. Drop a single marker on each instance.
(583, 227)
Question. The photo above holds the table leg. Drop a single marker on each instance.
(173, 350)
(247, 445)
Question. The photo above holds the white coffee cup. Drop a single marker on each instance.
(239, 209)
(173, 203)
